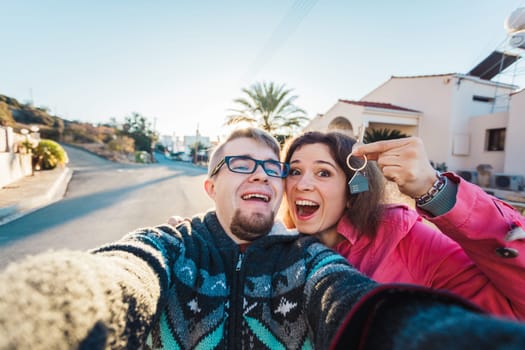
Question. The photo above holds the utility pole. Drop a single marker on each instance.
(195, 155)
(153, 137)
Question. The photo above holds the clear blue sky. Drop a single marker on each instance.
(181, 63)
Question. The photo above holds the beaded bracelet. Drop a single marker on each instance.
(437, 186)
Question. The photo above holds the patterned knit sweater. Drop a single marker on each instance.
(181, 289)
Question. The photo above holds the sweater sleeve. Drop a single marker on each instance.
(479, 223)
(333, 288)
(407, 317)
(106, 298)
(346, 310)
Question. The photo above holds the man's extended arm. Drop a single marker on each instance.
(103, 299)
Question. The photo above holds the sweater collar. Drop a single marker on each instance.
(216, 229)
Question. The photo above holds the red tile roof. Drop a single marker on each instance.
(379, 105)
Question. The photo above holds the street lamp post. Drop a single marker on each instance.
(196, 155)
(26, 142)
(35, 135)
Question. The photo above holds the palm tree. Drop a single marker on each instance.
(269, 106)
(372, 135)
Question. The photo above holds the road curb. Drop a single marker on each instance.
(54, 193)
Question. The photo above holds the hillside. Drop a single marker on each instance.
(19, 116)
(106, 140)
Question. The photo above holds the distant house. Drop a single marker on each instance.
(465, 120)
(191, 140)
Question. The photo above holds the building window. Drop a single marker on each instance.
(495, 139)
(482, 99)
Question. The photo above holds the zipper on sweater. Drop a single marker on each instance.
(236, 302)
(239, 262)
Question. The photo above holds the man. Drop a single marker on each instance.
(230, 278)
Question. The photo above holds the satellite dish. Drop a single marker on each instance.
(518, 40)
(516, 21)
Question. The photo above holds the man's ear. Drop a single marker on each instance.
(209, 187)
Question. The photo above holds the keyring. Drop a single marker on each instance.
(352, 168)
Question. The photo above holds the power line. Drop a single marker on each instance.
(290, 22)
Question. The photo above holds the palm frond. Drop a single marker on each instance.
(270, 105)
(372, 135)
(236, 119)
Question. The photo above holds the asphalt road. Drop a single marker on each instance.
(105, 200)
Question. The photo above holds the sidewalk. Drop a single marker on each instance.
(33, 192)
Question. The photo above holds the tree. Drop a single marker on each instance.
(6, 117)
(372, 135)
(269, 106)
(195, 150)
(139, 129)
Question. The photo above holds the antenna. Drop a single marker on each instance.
(508, 53)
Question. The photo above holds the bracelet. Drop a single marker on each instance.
(437, 186)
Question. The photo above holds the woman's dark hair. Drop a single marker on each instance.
(366, 207)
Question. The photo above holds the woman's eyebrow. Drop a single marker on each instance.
(325, 162)
(319, 161)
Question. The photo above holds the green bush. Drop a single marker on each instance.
(142, 157)
(48, 155)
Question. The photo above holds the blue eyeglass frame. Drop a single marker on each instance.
(226, 160)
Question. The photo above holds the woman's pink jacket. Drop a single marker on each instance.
(463, 260)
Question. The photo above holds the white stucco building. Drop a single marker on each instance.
(463, 119)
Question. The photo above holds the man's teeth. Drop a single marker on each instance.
(256, 195)
(305, 202)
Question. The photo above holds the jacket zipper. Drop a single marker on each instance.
(239, 262)
(236, 318)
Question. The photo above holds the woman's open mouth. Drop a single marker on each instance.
(305, 208)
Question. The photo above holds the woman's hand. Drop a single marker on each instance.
(403, 161)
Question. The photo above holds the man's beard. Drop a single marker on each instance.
(249, 228)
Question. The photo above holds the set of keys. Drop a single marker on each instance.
(358, 183)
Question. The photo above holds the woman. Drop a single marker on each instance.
(390, 243)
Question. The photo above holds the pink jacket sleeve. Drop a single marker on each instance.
(479, 223)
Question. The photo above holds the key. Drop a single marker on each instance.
(358, 183)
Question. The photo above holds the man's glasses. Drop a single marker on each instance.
(248, 165)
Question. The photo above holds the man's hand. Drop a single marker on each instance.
(175, 220)
(403, 161)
